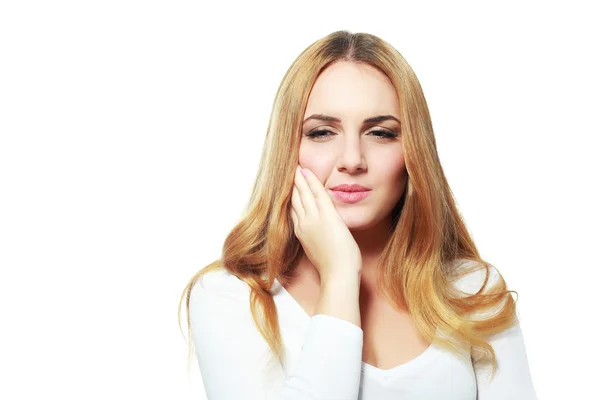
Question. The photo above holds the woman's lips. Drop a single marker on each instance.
(350, 197)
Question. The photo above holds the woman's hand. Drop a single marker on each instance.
(324, 236)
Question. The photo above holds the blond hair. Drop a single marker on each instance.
(418, 267)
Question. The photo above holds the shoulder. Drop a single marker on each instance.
(472, 277)
(220, 279)
(217, 292)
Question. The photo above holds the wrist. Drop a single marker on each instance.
(345, 281)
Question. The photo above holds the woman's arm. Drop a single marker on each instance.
(512, 379)
(234, 358)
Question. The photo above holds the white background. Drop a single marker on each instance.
(130, 138)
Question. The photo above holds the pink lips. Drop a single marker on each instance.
(350, 193)
(350, 197)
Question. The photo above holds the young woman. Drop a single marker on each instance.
(351, 274)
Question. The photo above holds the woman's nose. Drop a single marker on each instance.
(351, 157)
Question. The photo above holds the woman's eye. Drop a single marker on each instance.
(378, 133)
(384, 134)
(319, 133)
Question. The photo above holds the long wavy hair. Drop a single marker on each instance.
(417, 268)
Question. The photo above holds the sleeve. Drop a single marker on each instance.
(235, 361)
(512, 379)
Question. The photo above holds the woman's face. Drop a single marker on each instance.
(354, 151)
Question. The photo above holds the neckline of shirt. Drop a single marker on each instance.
(367, 369)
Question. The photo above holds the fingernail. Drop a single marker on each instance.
(303, 172)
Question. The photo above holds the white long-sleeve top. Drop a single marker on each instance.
(324, 355)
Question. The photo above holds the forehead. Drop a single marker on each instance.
(352, 91)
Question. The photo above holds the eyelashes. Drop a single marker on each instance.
(380, 134)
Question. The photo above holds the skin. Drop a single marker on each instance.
(353, 152)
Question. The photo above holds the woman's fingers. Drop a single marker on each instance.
(318, 191)
(294, 218)
(307, 198)
(324, 236)
(297, 203)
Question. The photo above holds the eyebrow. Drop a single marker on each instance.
(327, 118)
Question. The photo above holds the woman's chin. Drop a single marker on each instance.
(357, 222)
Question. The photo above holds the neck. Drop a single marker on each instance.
(371, 242)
